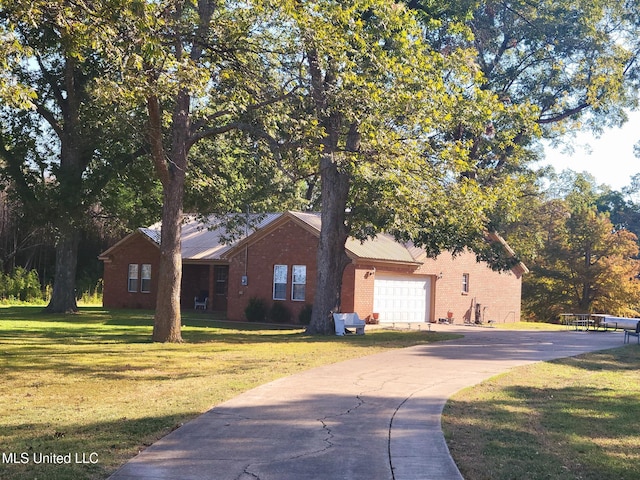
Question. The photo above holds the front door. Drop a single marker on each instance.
(220, 287)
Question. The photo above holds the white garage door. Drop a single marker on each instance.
(402, 299)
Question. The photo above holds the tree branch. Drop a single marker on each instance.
(565, 114)
(50, 118)
(210, 132)
(57, 93)
(155, 139)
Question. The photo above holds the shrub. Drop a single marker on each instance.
(279, 313)
(21, 284)
(304, 318)
(91, 295)
(256, 310)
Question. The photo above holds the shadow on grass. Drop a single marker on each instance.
(81, 345)
(90, 451)
(619, 359)
(95, 325)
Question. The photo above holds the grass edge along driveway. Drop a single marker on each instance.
(81, 394)
(572, 418)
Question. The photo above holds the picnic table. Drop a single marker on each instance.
(578, 321)
(596, 321)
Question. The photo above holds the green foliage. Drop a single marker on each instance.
(279, 313)
(22, 285)
(574, 61)
(560, 64)
(439, 158)
(232, 173)
(622, 207)
(60, 148)
(256, 310)
(578, 261)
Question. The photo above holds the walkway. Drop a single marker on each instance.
(371, 418)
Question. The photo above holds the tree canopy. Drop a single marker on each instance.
(195, 70)
(578, 260)
(59, 148)
(419, 118)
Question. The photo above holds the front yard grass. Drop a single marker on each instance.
(93, 388)
(574, 418)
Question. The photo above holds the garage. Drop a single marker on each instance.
(402, 299)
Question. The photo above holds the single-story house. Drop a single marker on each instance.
(276, 262)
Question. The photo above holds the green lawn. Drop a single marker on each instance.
(575, 418)
(93, 384)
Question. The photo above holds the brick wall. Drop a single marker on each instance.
(136, 250)
(363, 284)
(498, 293)
(288, 245)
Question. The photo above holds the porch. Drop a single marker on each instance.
(204, 280)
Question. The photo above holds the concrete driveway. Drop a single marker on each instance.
(371, 418)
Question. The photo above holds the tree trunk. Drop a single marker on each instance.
(63, 297)
(332, 258)
(167, 320)
(585, 301)
(75, 154)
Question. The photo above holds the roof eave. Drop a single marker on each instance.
(383, 261)
(106, 255)
(519, 268)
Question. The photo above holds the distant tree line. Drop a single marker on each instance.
(580, 242)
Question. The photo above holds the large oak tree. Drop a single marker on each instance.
(384, 104)
(56, 144)
(200, 69)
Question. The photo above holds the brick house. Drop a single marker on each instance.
(276, 262)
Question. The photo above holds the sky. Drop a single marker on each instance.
(609, 159)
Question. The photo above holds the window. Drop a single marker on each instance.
(145, 277)
(465, 283)
(221, 273)
(299, 282)
(132, 283)
(280, 282)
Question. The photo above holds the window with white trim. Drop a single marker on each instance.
(280, 282)
(132, 278)
(465, 283)
(299, 282)
(145, 278)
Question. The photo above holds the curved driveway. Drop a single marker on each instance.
(371, 418)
